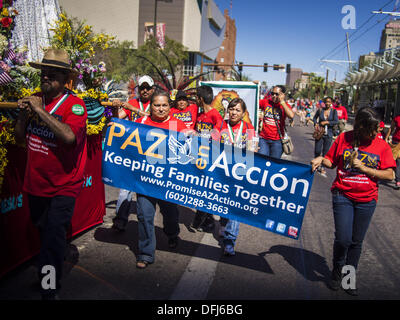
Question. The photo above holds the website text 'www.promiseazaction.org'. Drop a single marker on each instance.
(202, 199)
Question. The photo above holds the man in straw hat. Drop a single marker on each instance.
(54, 122)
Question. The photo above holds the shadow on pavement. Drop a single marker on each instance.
(189, 248)
(309, 264)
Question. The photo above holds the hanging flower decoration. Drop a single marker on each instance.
(7, 17)
(6, 137)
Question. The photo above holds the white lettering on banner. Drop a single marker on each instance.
(278, 181)
(133, 164)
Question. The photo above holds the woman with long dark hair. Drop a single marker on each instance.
(361, 159)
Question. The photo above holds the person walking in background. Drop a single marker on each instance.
(54, 122)
(207, 122)
(342, 115)
(131, 110)
(234, 131)
(324, 119)
(275, 110)
(394, 130)
(360, 156)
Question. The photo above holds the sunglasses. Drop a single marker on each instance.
(145, 88)
(274, 94)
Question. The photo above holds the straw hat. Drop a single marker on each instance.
(56, 58)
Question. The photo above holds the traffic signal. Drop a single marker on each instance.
(240, 68)
(215, 68)
(265, 67)
(276, 66)
(288, 68)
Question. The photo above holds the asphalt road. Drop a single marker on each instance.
(101, 262)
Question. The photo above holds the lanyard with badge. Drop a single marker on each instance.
(142, 107)
(235, 139)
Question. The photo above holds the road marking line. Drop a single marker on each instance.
(199, 274)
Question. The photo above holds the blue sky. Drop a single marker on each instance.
(303, 32)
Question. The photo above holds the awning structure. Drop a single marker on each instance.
(385, 68)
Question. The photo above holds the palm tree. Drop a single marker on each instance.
(317, 84)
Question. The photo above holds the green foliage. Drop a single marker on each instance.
(123, 61)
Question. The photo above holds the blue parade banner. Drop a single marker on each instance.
(271, 194)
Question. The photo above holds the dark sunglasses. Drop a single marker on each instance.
(274, 94)
(145, 87)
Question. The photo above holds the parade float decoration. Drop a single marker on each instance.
(18, 79)
(20, 238)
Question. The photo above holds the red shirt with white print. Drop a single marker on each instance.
(354, 184)
(273, 114)
(207, 122)
(187, 115)
(341, 112)
(53, 167)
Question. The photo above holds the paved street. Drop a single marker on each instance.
(101, 262)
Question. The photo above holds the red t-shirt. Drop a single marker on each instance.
(54, 168)
(341, 112)
(171, 124)
(188, 115)
(356, 185)
(206, 122)
(133, 116)
(396, 134)
(271, 112)
(224, 136)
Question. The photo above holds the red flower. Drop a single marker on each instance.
(5, 22)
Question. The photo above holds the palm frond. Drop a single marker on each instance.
(170, 67)
(163, 78)
(184, 84)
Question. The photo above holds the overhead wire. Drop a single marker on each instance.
(333, 51)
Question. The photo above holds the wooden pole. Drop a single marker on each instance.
(14, 105)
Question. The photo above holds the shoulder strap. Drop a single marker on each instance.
(277, 126)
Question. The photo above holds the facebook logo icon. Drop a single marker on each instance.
(270, 224)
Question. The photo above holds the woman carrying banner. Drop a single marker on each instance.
(146, 206)
(361, 159)
(240, 134)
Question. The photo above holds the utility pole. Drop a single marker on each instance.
(326, 81)
(348, 50)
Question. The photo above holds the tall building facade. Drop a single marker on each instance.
(198, 24)
(226, 54)
(295, 74)
(390, 37)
